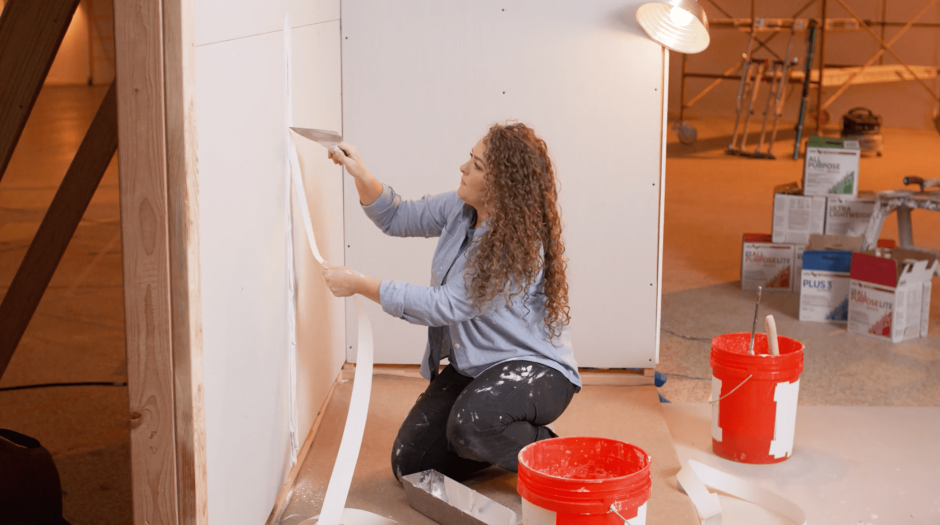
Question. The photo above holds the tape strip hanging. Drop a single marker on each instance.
(298, 184)
(333, 511)
(695, 476)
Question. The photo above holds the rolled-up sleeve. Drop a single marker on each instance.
(403, 218)
(429, 305)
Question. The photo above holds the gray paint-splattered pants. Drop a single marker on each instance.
(460, 425)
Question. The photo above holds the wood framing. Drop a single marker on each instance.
(183, 223)
(57, 227)
(159, 219)
(30, 34)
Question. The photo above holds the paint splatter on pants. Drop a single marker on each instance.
(461, 425)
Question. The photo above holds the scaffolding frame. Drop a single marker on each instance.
(825, 24)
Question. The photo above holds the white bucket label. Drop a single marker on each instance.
(716, 395)
(532, 514)
(640, 518)
(786, 395)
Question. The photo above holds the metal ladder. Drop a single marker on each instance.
(752, 74)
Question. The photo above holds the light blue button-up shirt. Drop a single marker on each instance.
(478, 339)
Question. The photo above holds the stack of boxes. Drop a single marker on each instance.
(828, 203)
(814, 249)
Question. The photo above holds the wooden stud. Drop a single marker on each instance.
(30, 34)
(183, 222)
(142, 161)
(57, 228)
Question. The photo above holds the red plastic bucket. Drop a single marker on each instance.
(578, 480)
(755, 417)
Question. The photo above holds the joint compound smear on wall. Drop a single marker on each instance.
(291, 277)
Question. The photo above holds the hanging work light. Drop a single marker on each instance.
(680, 25)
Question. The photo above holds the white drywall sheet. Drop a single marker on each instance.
(240, 118)
(222, 20)
(241, 109)
(422, 82)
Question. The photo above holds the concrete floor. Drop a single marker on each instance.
(711, 199)
(850, 465)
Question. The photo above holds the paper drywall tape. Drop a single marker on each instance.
(298, 184)
(706, 503)
(333, 511)
(695, 476)
(341, 479)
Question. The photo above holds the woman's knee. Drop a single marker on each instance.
(464, 434)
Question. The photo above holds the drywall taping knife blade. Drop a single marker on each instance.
(326, 138)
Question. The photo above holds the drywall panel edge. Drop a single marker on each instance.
(662, 199)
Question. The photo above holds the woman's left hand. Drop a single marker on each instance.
(342, 281)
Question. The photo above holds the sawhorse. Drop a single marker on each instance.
(902, 202)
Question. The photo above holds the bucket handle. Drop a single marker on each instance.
(612, 509)
(732, 390)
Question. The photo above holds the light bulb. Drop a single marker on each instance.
(680, 16)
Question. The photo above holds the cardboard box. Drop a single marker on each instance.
(889, 294)
(798, 251)
(797, 216)
(831, 167)
(824, 292)
(765, 263)
(848, 216)
(825, 279)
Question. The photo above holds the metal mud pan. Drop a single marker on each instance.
(451, 503)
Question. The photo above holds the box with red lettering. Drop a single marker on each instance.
(766, 263)
(889, 295)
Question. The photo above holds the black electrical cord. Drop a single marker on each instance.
(669, 330)
(48, 385)
(689, 377)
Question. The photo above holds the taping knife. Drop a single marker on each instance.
(324, 137)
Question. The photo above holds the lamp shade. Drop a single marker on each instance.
(680, 25)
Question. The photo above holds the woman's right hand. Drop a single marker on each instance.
(347, 156)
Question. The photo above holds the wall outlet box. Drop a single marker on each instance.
(824, 286)
(849, 216)
(889, 294)
(766, 263)
(797, 216)
(831, 167)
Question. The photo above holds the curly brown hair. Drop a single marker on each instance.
(524, 234)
